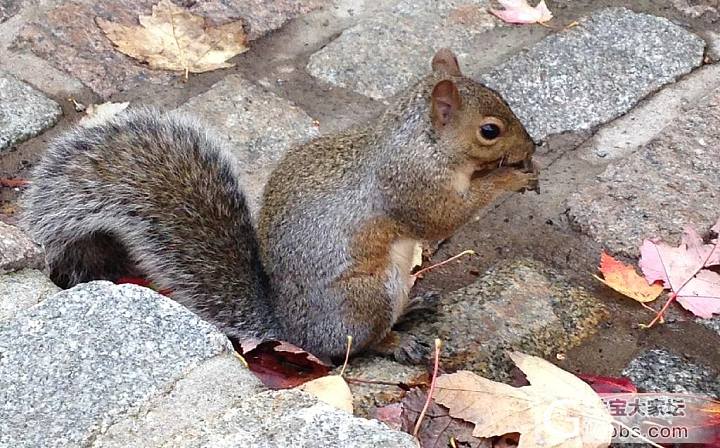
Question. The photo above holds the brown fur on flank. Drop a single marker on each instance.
(155, 194)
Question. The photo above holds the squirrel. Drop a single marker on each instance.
(156, 194)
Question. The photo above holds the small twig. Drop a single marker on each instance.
(660, 314)
(438, 344)
(347, 355)
(437, 265)
(404, 386)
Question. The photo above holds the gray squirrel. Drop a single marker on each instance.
(155, 194)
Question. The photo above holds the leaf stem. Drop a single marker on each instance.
(437, 265)
(438, 344)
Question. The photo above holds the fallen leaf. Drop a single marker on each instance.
(624, 279)
(390, 414)
(683, 270)
(174, 39)
(96, 114)
(281, 365)
(331, 389)
(519, 11)
(438, 426)
(556, 410)
(14, 183)
(144, 282)
(609, 385)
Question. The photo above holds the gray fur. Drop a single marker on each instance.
(153, 194)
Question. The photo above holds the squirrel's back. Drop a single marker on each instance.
(152, 194)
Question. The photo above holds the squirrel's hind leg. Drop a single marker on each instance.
(93, 256)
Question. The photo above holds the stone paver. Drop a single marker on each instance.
(8, 8)
(17, 251)
(366, 397)
(385, 53)
(258, 124)
(659, 370)
(571, 80)
(86, 357)
(23, 289)
(713, 324)
(261, 16)
(200, 398)
(671, 182)
(69, 39)
(594, 72)
(24, 111)
(649, 118)
(523, 305)
(707, 10)
(293, 419)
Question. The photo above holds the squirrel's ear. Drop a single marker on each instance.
(445, 102)
(446, 62)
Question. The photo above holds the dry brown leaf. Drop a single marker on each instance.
(174, 39)
(556, 410)
(331, 389)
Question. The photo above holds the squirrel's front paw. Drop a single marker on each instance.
(529, 177)
(403, 347)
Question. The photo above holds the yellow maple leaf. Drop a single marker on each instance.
(625, 280)
(174, 39)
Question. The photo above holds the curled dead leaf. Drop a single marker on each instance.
(556, 410)
(174, 39)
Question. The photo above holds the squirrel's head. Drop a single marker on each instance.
(469, 114)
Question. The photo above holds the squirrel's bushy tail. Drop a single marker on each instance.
(152, 194)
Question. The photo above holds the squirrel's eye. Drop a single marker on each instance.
(490, 131)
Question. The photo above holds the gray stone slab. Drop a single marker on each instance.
(279, 419)
(648, 119)
(8, 8)
(258, 124)
(523, 305)
(385, 53)
(260, 16)
(199, 399)
(23, 289)
(24, 111)
(594, 72)
(17, 251)
(671, 182)
(87, 357)
(572, 80)
(713, 324)
(659, 370)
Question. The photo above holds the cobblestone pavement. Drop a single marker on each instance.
(625, 104)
